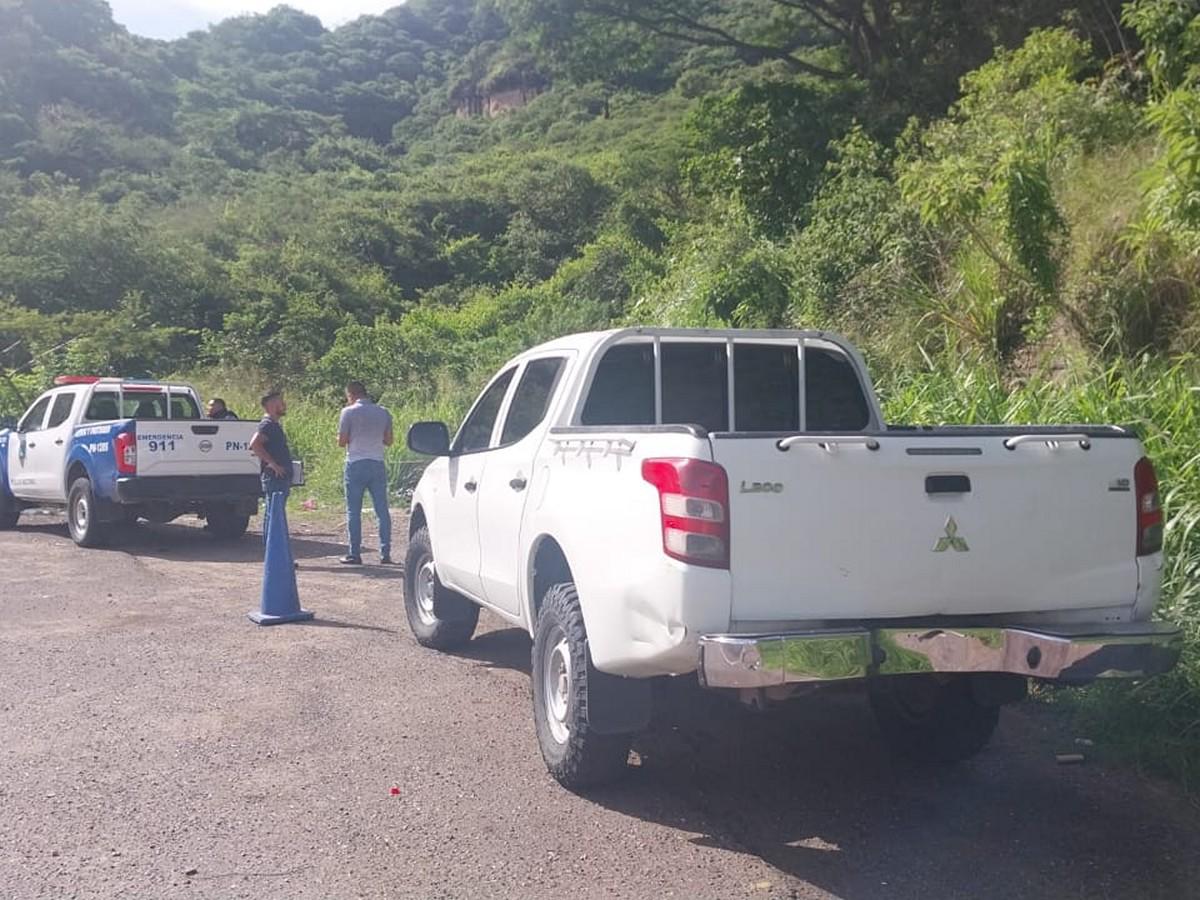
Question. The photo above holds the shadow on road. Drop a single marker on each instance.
(175, 542)
(333, 623)
(810, 790)
(506, 648)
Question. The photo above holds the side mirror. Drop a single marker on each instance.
(429, 438)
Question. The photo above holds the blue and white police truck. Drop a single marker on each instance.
(112, 451)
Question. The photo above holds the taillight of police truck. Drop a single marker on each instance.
(125, 448)
(694, 504)
(1149, 510)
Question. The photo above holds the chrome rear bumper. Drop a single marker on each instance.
(1073, 655)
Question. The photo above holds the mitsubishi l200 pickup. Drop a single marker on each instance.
(659, 502)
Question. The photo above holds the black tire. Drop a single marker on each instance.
(225, 523)
(440, 618)
(85, 526)
(10, 511)
(931, 721)
(577, 756)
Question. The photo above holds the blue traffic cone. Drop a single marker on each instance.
(280, 598)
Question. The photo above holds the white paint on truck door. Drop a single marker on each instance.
(510, 480)
(458, 557)
(46, 453)
(22, 469)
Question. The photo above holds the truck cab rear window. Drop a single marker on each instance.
(833, 395)
(766, 387)
(146, 405)
(694, 381)
(695, 385)
(622, 390)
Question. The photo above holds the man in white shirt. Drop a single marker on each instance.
(365, 430)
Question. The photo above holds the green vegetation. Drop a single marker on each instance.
(999, 200)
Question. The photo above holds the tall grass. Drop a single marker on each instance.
(311, 427)
(1155, 723)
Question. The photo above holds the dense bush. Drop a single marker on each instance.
(1002, 209)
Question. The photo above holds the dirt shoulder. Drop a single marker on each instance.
(158, 744)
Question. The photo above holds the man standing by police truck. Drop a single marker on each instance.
(365, 430)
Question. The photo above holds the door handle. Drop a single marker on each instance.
(58, 443)
(471, 485)
(518, 483)
(30, 444)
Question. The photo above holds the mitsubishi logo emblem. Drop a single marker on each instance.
(951, 540)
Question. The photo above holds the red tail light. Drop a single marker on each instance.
(125, 448)
(694, 502)
(1149, 511)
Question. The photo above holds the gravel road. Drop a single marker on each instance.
(155, 743)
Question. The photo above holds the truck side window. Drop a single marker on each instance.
(766, 387)
(833, 395)
(183, 406)
(32, 420)
(61, 409)
(477, 430)
(532, 398)
(695, 385)
(102, 407)
(622, 391)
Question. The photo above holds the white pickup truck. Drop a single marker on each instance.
(655, 502)
(114, 450)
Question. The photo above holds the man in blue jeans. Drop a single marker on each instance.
(365, 430)
(270, 445)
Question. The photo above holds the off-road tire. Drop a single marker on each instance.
(225, 523)
(929, 721)
(440, 618)
(10, 511)
(580, 758)
(82, 521)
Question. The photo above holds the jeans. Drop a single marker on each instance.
(275, 491)
(367, 475)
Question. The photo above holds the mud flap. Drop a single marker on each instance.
(617, 705)
(451, 607)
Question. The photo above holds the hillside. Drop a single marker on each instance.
(999, 200)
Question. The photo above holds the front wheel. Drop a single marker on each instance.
(928, 720)
(85, 527)
(439, 618)
(575, 754)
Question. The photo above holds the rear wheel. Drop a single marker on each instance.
(85, 527)
(928, 720)
(225, 523)
(10, 511)
(575, 754)
(439, 617)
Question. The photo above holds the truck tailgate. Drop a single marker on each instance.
(195, 447)
(928, 525)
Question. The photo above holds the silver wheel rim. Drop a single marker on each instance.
(425, 584)
(556, 687)
(81, 515)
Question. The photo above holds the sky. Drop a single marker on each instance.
(175, 18)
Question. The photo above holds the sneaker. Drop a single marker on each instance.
(385, 560)
(349, 560)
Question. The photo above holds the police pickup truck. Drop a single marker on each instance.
(655, 502)
(112, 451)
